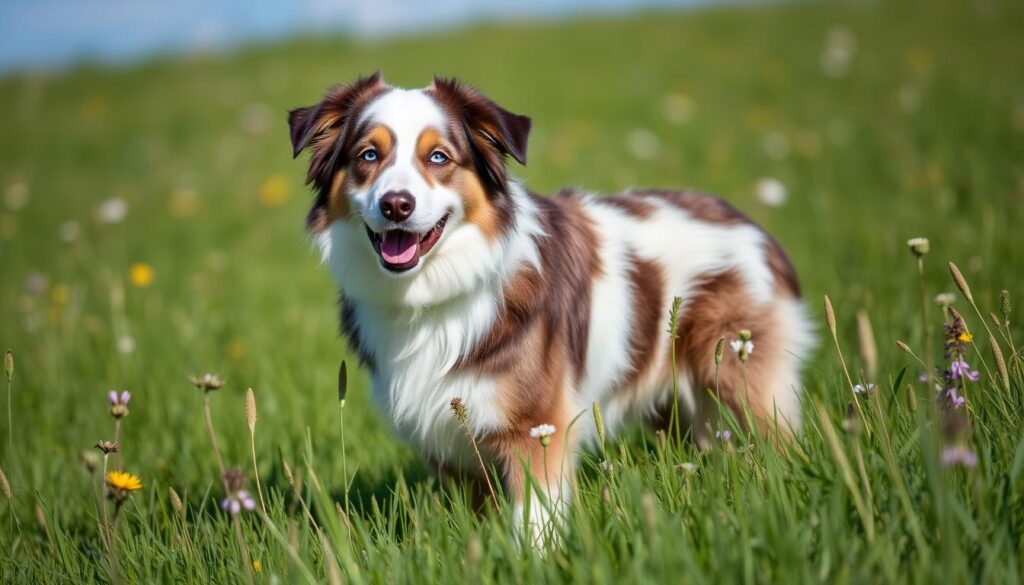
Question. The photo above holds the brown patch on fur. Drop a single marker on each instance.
(634, 206)
(711, 209)
(538, 343)
(720, 306)
(647, 282)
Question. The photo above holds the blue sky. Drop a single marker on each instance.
(49, 33)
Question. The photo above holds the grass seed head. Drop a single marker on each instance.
(719, 351)
(903, 347)
(961, 283)
(997, 354)
(673, 317)
(866, 344)
(9, 364)
(459, 408)
(250, 410)
(40, 516)
(342, 383)
(175, 500)
(830, 316)
(1004, 307)
(107, 447)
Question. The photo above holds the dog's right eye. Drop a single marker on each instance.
(369, 155)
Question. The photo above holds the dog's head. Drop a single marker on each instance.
(409, 169)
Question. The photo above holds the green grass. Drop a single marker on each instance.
(922, 136)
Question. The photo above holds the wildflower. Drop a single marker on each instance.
(771, 192)
(863, 388)
(945, 299)
(687, 468)
(922, 377)
(119, 403)
(238, 501)
(206, 382)
(955, 400)
(121, 484)
(743, 346)
(112, 211)
(141, 274)
(107, 447)
(919, 246)
(959, 454)
(543, 432)
(724, 435)
(238, 498)
(961, 369)
(966, 337)
(257, 566)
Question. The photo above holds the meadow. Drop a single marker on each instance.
(151, 229)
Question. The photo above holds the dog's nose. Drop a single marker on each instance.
(397, 205)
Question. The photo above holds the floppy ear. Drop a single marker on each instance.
(305, 124)
(324, 127)
(492, 131)
(299, 126)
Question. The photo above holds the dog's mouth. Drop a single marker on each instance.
(400, 250)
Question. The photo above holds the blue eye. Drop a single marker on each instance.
(438, 158)
(369, 155)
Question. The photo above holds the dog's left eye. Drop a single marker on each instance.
(438, 158)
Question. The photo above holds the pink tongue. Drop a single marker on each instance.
(399, 247)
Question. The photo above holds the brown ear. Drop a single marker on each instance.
(492, 131)
(299, 125)
(322, 127)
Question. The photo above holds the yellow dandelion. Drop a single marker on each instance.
(257, 566)
(123, 481)
(966, 337)
(274, 191)
(141, 274)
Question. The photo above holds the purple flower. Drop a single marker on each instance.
(958, 455)
(125, 397)
(238, 501)
(121, 399)
(922, 377)
(960, 368)
(112, 397)
(954, 398)
(723, 435)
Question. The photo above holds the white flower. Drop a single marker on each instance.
(771, 192)
(687, 468)
(945, 299)
(112, 210)
(742, 347)
(542, 431)
(863, 388)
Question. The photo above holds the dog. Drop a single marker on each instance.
(458, 283)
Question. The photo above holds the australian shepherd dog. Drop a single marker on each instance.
(457, 282)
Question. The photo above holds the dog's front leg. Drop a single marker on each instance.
(537, 472)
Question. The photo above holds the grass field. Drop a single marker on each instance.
(883, 120)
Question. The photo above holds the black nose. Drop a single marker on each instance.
(397, 205)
